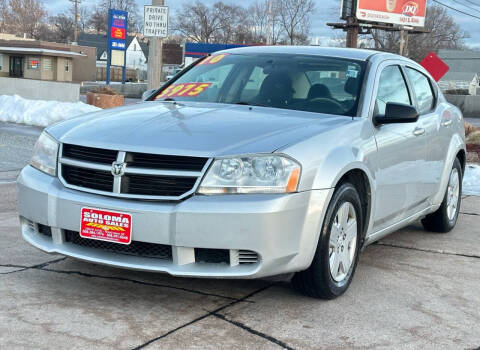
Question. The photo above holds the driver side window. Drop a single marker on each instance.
(391, 88)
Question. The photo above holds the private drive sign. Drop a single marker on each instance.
(156, 21)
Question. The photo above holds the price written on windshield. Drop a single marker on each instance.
(185, 90)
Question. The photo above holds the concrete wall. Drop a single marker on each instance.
(40, 90)
(469, 105)
(130, 90)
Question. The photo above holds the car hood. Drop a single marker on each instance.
(195, 129)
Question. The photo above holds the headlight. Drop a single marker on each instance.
(253, 174)
(45, 154)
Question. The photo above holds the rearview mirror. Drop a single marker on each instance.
(147, 94)
(397, 113)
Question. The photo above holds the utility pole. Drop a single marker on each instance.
(155, 57)
(75, 20)
(352, 32)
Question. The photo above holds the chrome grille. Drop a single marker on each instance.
(130, 174)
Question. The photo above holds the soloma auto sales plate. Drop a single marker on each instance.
(106, 226)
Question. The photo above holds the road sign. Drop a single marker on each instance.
(435, 66)
(156, 21)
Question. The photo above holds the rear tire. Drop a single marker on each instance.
(445, 218)
(336, 257)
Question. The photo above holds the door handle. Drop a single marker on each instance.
(447, 123)
(419, 131)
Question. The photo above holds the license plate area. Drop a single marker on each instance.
(104, 225)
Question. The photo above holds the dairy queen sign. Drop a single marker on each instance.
(402, 12)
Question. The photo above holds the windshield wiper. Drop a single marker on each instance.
(244, 103)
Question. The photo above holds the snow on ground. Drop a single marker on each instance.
(15, 109)
(471, 180)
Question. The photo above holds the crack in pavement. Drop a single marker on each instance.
(435, 251)
(23, 267)
(475, 214)
(215, 313)
(253, 331)
(89, 275)
(123, 279)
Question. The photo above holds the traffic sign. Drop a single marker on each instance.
(156, 21)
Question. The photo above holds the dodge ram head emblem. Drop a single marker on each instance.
(118, 168)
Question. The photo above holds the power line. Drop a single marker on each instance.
(471, 2)
(470, 7)
(454, 9)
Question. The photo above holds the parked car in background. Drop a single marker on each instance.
(254, 162)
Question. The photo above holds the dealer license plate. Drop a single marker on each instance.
(106, 225)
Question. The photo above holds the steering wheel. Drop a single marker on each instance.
(324, 103)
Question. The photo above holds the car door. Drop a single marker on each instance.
(400, 156)
(436, 141)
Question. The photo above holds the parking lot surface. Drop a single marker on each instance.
(412, 290)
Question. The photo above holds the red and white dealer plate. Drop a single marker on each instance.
(106, 226)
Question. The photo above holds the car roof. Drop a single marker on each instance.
(356, 54)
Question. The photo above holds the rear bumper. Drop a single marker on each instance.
(282, 229)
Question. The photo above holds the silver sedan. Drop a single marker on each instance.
(250, 163)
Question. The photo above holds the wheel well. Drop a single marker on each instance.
(359, 179)
(462, 158)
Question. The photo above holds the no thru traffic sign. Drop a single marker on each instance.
(156, 21)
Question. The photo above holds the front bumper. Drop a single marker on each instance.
(281, 229)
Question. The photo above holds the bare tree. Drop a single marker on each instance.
(197, 22)
(129, 6)
(295, 18)
(98, 21)
(232, 24)
(3, 15)
(261, 15)
(24, 17)
(444, 33)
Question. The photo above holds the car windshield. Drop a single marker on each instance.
(298, 82)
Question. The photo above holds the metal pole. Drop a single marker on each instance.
(109, 51)
(155, 57)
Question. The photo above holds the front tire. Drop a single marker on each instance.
(445, 218)
(336, 257)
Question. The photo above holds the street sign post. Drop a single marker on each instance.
(117, 42)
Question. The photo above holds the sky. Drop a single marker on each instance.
(326, 11)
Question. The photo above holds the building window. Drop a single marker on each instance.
(47, 64)
(33, 63)
(134, 47)
(67, 65)
(1, 62)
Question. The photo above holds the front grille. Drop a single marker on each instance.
(139, 249)
(170, 186)
(89, 154)
(88, 178)
(149, 176)
(247, 257)
(159, 161)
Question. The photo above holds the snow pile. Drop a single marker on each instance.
(471, 180)
(15, 109)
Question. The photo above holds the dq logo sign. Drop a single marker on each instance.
(410, 9)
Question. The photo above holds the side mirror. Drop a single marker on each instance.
(397, 113)
(147, 94)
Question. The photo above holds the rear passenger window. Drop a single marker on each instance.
(422, 90)
(391, 88)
